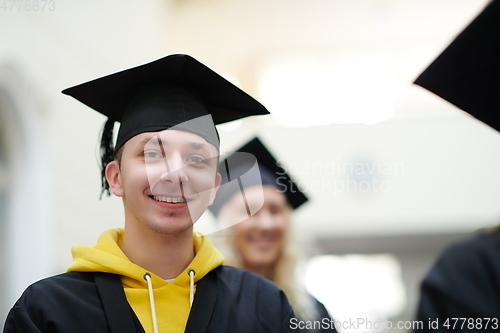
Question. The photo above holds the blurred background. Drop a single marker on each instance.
(393, 173)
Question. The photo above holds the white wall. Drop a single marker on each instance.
(438, 166)
(52, 138)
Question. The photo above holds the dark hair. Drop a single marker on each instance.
(107, 152)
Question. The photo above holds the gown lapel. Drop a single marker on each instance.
(203, 304)
(121, 318)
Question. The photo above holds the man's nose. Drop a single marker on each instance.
(175, 169)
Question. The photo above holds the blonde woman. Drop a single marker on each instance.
(256, 216)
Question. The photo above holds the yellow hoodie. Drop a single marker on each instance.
(172, 300)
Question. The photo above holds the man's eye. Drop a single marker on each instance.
(196, 159)
(152, 154)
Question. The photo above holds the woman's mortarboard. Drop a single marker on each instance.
(467, 72)
(239, 167)
(168, 92)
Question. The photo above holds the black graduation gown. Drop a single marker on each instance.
(227, 300)
(323, 313)
(464, 283)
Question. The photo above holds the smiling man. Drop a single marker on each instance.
(155, 274)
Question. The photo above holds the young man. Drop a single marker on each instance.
(155, 275)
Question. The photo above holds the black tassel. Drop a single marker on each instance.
(107, 154)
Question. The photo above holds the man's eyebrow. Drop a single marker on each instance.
(156, 140)
(149, 140)
(199, 145)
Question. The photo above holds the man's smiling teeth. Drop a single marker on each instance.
(168, 199)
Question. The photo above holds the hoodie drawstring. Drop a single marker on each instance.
(147, 277)
(191, 274)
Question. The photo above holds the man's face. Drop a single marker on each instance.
(166, 179)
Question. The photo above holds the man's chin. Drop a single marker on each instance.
(172, 226)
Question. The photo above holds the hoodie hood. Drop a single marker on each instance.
(171, 300)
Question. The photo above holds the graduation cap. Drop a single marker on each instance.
(467, 73)
(238, 173)
(168, 92)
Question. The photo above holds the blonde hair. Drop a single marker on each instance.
(285, 270)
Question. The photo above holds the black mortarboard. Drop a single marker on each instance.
(467, 73)
(162, 94)
(238, 167)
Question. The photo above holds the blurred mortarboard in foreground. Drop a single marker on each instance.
(239, 165)
(168, 92)
(467, 73)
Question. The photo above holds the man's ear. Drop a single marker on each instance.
(113, 176)
(218, 180)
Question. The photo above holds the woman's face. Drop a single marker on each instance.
(261, 237)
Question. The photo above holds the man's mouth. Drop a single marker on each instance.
(170, 199)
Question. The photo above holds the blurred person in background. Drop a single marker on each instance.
(461, 293)
(259, 231)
